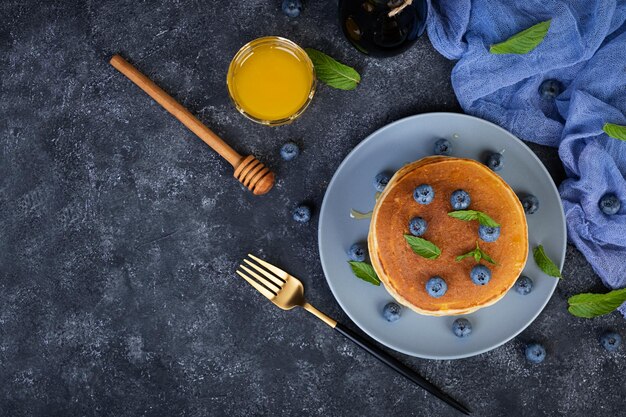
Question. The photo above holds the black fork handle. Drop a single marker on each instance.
(400, 368)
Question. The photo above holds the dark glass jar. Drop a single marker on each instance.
(382, 28)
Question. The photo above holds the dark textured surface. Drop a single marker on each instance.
(120, 231)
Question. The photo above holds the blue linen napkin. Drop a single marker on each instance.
(585, 49)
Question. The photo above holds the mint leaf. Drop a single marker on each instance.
(423, 247)
(545, 263)
(486, 257)
(592, 305)
(478, 254)
(465, 255)
(364, 271)
(465, 215)
(333, 73)
(485, 220)
(469, 215)
(524, 41)
(615, 131)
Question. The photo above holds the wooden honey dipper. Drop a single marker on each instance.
(248, 170)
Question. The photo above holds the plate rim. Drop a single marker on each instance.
(364, 143)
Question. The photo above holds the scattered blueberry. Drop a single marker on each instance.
(302, 214)
(495, 161)
(524, 285)
(609, 204)
(460, 200)
(610, 341)
(417, 226)
(289, 151)
(392, 312)
(462, 327)
(549, 89)
(480, 274)
(292, 8)
(357, 252)
(424, 194)
(535, 353)
(488, 234)
(436, 287)
(381, 180)
(530, 204)
(443, 147)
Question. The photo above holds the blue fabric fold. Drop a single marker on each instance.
(585, 49)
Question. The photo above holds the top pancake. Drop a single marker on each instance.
(405, 273)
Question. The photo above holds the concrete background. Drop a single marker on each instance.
(120, 231)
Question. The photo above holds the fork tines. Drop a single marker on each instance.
(269, 280)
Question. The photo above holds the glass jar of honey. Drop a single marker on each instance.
(271, 80)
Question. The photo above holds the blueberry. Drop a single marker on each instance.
(462, 327)
(610, 341)
(289, 151)
(524, 285)
(495, 161)
(530, 204)
(302, 214)
(357, 252)
(535, 353)
(292, 8)
(436, 287)
(609, 204)
(424, 194)
(392, 312)
(488, 234)
(381, 180)
(460, 200)
(418, 226)
(443, 147)
(549, 89)
(480, 274)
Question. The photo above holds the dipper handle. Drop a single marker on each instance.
(248, 170)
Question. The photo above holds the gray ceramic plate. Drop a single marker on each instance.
(351, 187)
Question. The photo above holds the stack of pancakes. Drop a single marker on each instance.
(404, 273)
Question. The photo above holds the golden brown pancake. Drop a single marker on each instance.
(405, 273)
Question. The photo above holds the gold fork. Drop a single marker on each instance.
(287, 292)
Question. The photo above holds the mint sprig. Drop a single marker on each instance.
(472, 253)
(615, 131)
(470, 215)
(333, 73)
(364, 271)
(590, 305)
(423, 247)
(477, 254)
(544, 263)
(524, 41)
